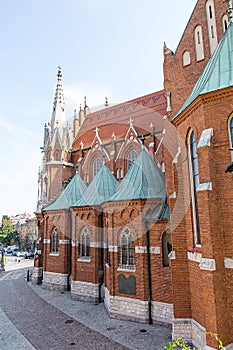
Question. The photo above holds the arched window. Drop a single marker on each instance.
(167, 248)
(84, 246)
(231, 132)
(56, 155)
(126, 250)
(194, 182)
(186, 58)
(96, 166)
(199, 46)
(54, 240)
(225, 22)
(131, 158)
(210, 11)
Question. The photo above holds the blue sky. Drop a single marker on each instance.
(105, 47)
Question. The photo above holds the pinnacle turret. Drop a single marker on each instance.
(58, 115)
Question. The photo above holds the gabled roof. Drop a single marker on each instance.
(144, 180)
(73, 192)
(102, 187)
(218, 73)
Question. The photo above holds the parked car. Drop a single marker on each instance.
(21, 254)
(15, 251)
(29, 255)
(9, 249)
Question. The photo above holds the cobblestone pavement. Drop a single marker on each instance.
(35, 318)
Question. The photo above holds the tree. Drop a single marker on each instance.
(8, 233)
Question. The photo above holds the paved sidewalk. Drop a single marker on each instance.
(46, 320)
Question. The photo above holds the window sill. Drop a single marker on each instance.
(54, 254)
(84, 259)
(131, 268)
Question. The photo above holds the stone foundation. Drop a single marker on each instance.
(162, 312)
(191, 332)
(37, 275)
(57, 281)
(137, 310)
(86, 291)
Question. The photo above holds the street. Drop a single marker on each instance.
(34, 318)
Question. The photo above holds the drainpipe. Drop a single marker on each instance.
(149, 274)
(69, 247)
(101, 261)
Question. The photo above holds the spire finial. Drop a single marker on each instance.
(58, 104)
(106, 102)
(131, 122)
(96, 131)
(85, 101)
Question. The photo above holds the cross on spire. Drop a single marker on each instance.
(96, 131)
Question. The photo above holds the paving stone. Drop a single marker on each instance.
(48, 320)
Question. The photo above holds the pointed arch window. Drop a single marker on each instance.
(54, 240)
(126, 258)
(166, 248)
(194, 183)
(84, 245)
(225, 22)
(96, 166)
(131, 158)
(231, 133)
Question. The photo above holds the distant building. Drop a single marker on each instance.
(134, 205)
(26, 228)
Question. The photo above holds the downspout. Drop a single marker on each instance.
(149, 274)
(101, 261)
(69, 248)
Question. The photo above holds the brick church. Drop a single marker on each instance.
(135, 199)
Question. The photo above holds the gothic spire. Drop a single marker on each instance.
(58, 115)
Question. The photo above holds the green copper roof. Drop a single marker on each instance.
(144, 180)
(102, 187)
(218, 73)
(73, 191)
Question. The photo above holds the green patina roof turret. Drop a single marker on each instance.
(218, 73)
(102, 187)
(73, 192)
(144, 180)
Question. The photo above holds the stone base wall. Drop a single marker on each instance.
(229, 347)
(191, 332)
(86, 291)
(137, 310)
(37, 275)
(162, 312)
(57, 281)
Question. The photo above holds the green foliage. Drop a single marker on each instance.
(8, 233)
(178, 343)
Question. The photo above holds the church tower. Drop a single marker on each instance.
(56, 167)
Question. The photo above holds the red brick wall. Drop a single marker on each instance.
(204, 295)
(180, 80)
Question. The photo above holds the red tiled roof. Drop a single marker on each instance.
(143, 110)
